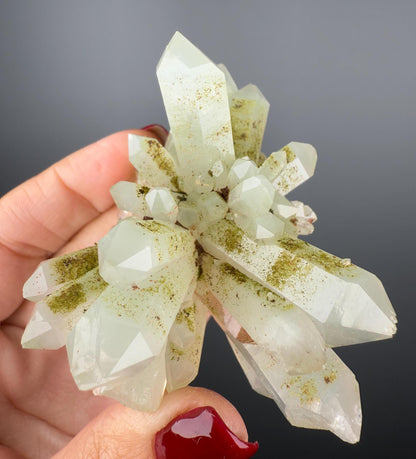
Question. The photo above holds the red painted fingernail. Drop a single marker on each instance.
(202, 434)
(157, 129)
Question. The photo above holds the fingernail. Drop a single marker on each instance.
(202, 434)
(158, 130)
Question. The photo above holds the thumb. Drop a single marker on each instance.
(120, 432)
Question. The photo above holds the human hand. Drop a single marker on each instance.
(42, 412)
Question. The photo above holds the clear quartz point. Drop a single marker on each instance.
(170, 147)
(131, 197)
(56, 314)
(126, 329)
(252, 197)
(50, 274)
(185, 341)
(265, 226)
(155, 166)
(300, 166)
(212, 207)
(142, 391)
(274, 165)
(162, 204)
(281, 328)
(196, 101)
(231, 85)
(134, 249)
(241, 169)
(189, 214)
(303, 219)
(339, 295)
(249, 110)
(327, 399)
(283, 207)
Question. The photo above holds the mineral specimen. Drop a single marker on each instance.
(207, 228)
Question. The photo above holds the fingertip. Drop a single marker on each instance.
(128, 433)
(158, 131)
(188, 398)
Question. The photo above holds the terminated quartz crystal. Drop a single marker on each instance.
(249, 110)
(327, 399)
(131, 197)
(196, 101)
(282, 328)
(154, 164)
(207, 228)
(336, 293)
(185, 342)
(298, 166)
(162, 204)
(54, 273)
(135, 249)
(56, 314)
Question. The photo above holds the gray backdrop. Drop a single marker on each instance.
(340, 75)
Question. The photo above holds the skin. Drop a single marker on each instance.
(42, 413)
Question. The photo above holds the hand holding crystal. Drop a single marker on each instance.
(65, 208)
(208, 227)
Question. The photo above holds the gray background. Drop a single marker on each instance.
(340, 75)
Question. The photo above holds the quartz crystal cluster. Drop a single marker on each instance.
(208, 227)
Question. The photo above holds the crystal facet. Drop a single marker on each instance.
(327, 399)
(300, 166)
(241, 169)
(134, 249)
(162, 204)
(264, 227)
(131, 197)
(252, 197)
(154, 164)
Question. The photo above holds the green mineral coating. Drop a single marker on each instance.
(260, 160)
(187, 316)
(229, 270)
(142, 190)
(245, 140)
(306, 391)
(233, 239)
(228, 236)
(74, 265)
(77, 292)
(169, 289)
(290, 156)
(158, 153)
(155, 226)
(175, 182)
(242, 106)
(287, 306)
(176, 353)
(330, 377)
(67, 299)
(328, 262)
(285, 268)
